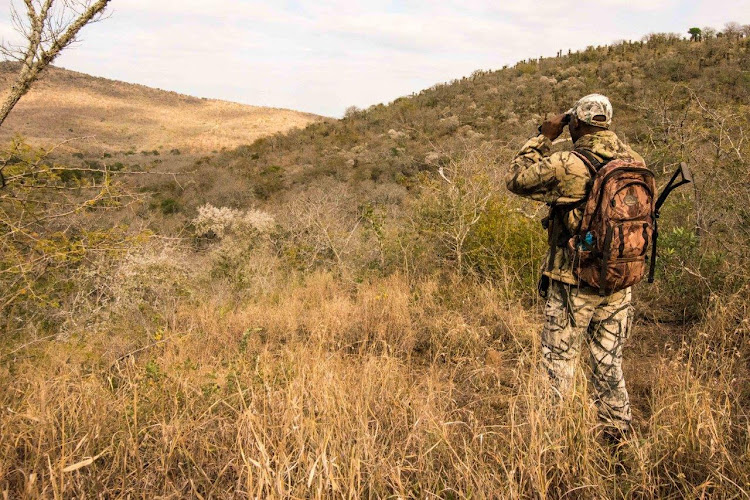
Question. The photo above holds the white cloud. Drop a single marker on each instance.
(715, 14)
(324, 55)
(640, 5)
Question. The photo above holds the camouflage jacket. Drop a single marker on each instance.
(562, 181)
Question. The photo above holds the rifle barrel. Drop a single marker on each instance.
(685, 177)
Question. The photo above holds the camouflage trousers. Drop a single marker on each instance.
(577, 317)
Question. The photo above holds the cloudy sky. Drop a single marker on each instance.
(323, 56)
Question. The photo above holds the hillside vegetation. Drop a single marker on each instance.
(349, 309)
(119, 117)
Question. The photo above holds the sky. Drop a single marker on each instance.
(326, 55)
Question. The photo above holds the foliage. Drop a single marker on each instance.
(454, 204)
(507, 246)
(50, 235)
(352, 311)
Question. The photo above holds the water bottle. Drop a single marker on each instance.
(587, 242)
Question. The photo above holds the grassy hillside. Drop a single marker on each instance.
(658, 89)
(321, 314)
(120, 117)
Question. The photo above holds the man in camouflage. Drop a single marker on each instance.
(576, 313)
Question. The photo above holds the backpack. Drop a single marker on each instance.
(618, 226)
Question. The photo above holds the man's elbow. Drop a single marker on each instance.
(515, 175)
(511, 182)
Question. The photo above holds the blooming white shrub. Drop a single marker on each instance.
(224, 221)
(242, 255)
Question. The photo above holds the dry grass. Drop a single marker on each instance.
(346, 352)
(318, 389)
(121, 116)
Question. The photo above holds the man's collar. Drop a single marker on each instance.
(588, 139)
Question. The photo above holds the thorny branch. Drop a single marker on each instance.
(48, 27)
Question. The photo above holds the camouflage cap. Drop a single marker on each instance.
(591, 109)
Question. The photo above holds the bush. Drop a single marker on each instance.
(52, 240)
(169, 206)
(242, 253)
(507, 246)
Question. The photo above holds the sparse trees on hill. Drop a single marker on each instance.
(47, 27)
(732, 30)
(708, 33)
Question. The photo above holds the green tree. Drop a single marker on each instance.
(695, 34)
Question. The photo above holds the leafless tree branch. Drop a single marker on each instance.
(49, 27)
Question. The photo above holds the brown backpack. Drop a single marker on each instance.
(618, 227)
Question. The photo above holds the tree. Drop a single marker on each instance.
(732, 30)
(352, 112)
(47, 238)
(48, 27)
(708, 33)
(695, 34)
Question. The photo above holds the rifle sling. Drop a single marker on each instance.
(652, 264)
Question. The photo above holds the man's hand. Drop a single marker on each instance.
(553, 127)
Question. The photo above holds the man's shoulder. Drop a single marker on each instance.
(569, 163)
(572, 176)
(608, 146)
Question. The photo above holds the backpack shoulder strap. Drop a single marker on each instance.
(590, 160)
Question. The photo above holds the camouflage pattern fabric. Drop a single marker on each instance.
(560, 179)
(592, 106)
(575, 316)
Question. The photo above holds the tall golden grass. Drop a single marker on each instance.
(388, 389)
(362, 333)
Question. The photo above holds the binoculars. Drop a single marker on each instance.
(565, 120)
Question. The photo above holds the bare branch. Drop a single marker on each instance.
(48, 32)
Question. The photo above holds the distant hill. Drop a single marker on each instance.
(663, 90)
(121, 116)
(674, 101)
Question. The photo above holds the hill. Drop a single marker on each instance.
(674, 100)
(349, 309)
(649, 82)
(119, 116)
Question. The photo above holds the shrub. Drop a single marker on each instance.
(169, 206)
(507, 246)
(52, 239)
(242, 255)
